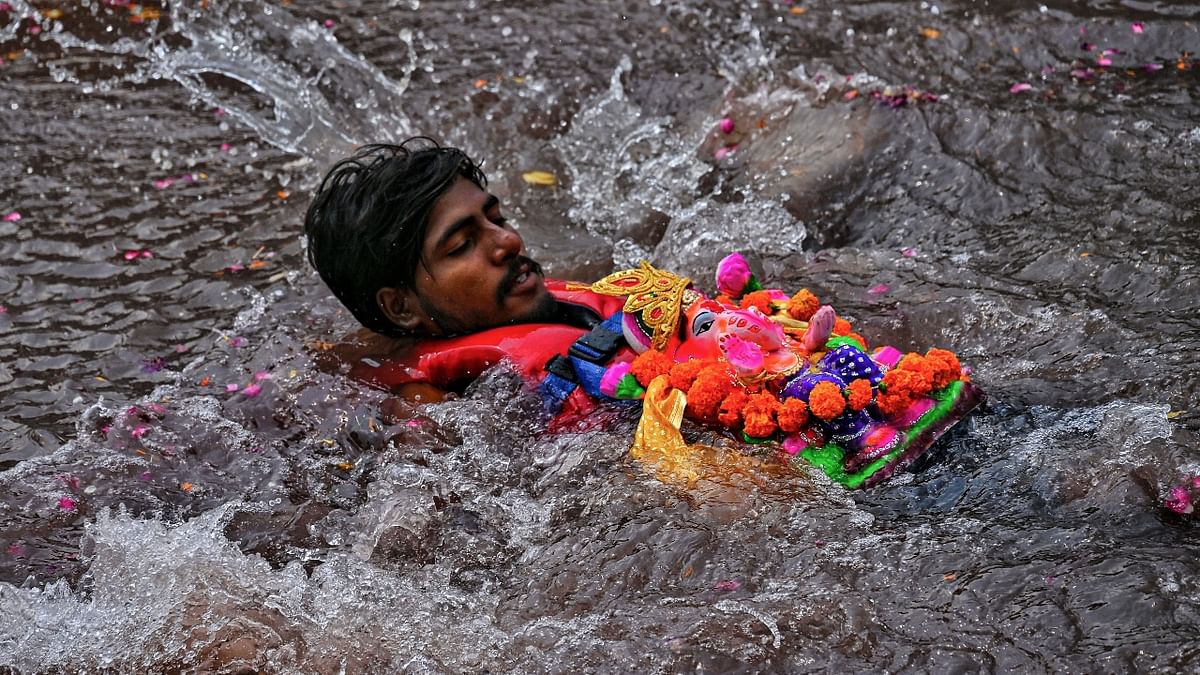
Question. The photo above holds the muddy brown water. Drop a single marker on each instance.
(159, 158)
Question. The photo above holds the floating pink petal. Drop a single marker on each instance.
(878, 289)
(1179, 500)
(1152, 67)
(1020, 87)
(725, 125)
(1104, 61)
(217, 112)
(181, 348)
(16, 550)
(262, 375)
(727, 585)
(138, 432)
(251, 390)
(329, 23)
(157, 408)
(231, 388)
(235, 267)
(3, 309)
(413, 423)
(164, 183)
(1196, 481)
(67, 504)
(131, 255)
(146, 475)
(237, 341)
(725, 151)
(12, 216)
(909, 252)
(1138, 27)
(1081, 74)
(225, 147)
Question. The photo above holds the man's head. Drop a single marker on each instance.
(410, 241)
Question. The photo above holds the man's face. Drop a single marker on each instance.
(474, 272)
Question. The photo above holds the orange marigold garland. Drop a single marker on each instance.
(803, 305)
(711, 387)
(896, 391)
(759, 415)
(944, 365)
(841, 327)
(825, 401)
(915, 363)
(649, 365)
(792, 415)
(859, 394)
(730, 412)
(684, 374)
(760, 300)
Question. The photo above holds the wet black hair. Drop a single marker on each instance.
(367, 221)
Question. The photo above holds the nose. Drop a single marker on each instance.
(506, 244)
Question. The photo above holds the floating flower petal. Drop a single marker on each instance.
(544, 178)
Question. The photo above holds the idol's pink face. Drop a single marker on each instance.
(474, 272)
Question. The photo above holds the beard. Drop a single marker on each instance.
(545, 310)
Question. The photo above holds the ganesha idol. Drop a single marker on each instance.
(783, 368)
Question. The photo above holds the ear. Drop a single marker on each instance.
(400, 307)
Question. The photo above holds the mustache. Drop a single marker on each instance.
(515, 268)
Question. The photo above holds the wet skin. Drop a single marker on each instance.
(474, 272)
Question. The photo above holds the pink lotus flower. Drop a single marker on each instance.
(612, 377)
(734, 277)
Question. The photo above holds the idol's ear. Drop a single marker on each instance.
(400, 307)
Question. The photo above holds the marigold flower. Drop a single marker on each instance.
(915, 363)
(730, 412)
(684, 374)
(841, 327)
(792, 415)
(760, 300)
(711, 387)
(897, 391)
(825, 401)
(649, 365)
(944, 366)
(802, 305)
(859, 393)
(759, 415)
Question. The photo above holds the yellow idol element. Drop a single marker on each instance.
(657, 440)
(654, 296)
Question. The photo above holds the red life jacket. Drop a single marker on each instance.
(450, 363)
